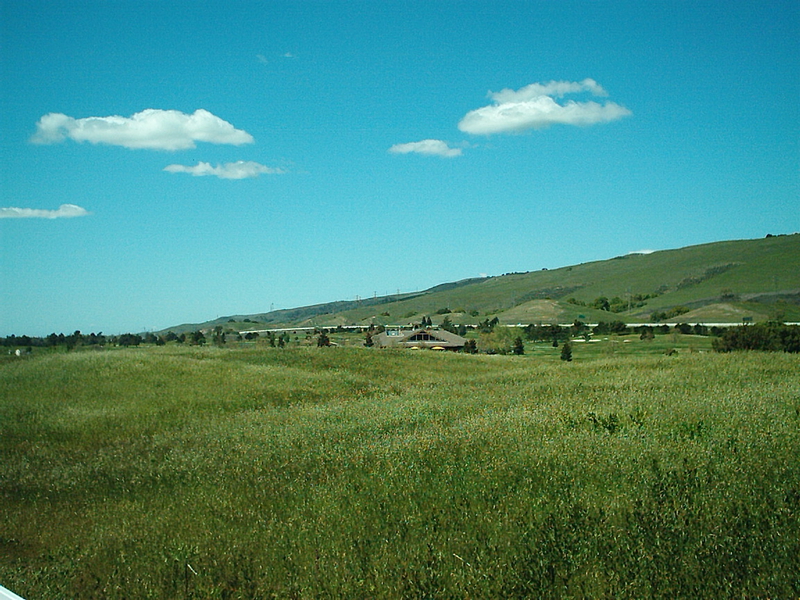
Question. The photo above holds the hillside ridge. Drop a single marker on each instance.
(724, 281)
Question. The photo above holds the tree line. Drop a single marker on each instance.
(78, 339)
(493, 339)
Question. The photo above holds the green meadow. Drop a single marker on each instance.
(254, 472)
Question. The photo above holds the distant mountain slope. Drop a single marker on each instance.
(721, 281)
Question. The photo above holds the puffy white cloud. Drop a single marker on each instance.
(151, 129)
(428, 147)
(552, 88)
(534, 107)
(241, 169)
(65, 211)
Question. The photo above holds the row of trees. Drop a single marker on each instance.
(615, 304)
(491, 338)
(78, 339)
(775, 337)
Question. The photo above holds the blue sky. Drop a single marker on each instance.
(170, 162)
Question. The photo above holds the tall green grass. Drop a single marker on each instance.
(342, 472)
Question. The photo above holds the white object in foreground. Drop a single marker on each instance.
(8, 594)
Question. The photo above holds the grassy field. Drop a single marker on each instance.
(253, 472)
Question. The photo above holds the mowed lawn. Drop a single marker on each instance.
(354, 473)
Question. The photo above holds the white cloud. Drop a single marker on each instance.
(534, 107)
(552, 88)
(152, 129)
(427, 147)
(236, 170)
(64, 211)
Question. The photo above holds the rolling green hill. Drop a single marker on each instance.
(716, 282)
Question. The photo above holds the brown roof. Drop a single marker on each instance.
(424, 337)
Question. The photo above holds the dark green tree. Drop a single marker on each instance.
(129, 339)
(219, 336)
(447, 325)
(471, 347)
(519, 346)
(566, 352)
(601, 303)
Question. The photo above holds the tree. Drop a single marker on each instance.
(617, 305)
(487, 326)
(519, 346)
(368, 340)
(76, 339)
(601, 303)
(566, 352)
(323, 340)
(129, 339)
(447, 325)
(499, 341)
(768, 336)
(577, 328)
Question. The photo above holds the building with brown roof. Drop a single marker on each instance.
(425, 337)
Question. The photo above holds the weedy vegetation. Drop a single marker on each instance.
(255, 472)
